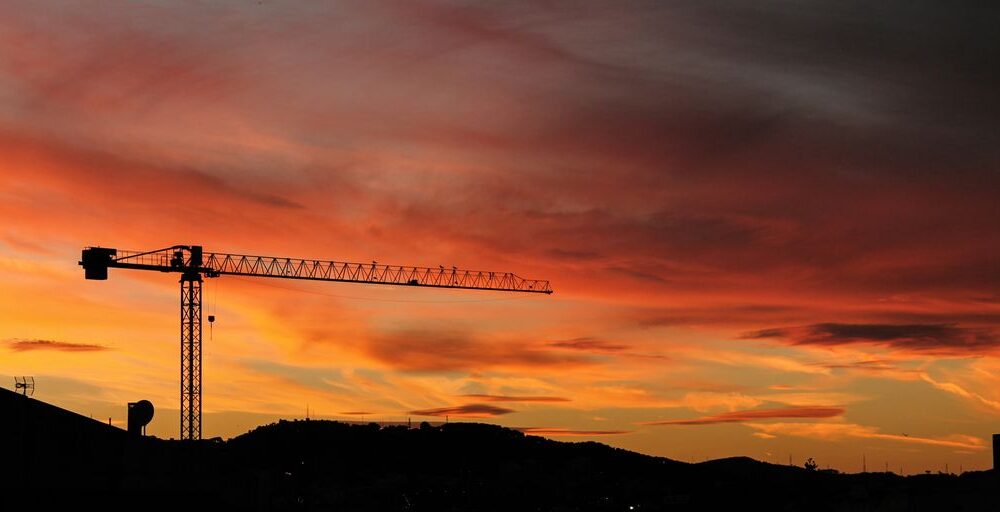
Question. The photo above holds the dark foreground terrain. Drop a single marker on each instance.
(52, 458)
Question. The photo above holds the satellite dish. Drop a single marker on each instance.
(139, 415)
(26, 385)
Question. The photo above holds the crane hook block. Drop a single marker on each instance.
(95, 262)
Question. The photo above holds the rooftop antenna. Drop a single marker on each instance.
(26, 385)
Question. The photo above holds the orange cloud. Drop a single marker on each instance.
(422, 350)
(589, 345)
(468, 410)
(942, 339)
(558, 432)
(834, 431)
(757, 414)
(19, 345)
(505, 398)
(956, 389)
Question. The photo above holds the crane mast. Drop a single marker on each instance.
(194, 265)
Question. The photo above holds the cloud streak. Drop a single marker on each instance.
(563, 432)
(838, 431)
(467, 410)
(756, 414)
(444, 351)
(928, 338)
(956, 389)
(589, 345)
(507, 398)
(25, 345)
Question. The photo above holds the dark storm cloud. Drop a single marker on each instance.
(931, 338)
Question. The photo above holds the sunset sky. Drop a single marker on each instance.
(772, 227)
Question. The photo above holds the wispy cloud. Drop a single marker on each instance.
(929, 338)
(557, 432)
(24, 345)
(468, 410)
(870, 365)
(506, 398)
(756, 414)
(956, 389)
(835, 431)
(589, 345)
(441, 351)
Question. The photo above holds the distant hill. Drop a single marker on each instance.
(52, 457)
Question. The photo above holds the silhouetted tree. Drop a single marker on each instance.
(810, 464)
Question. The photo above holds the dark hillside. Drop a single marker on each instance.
(54, 457)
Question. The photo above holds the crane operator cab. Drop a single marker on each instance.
(177, 260)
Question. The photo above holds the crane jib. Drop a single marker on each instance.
(96, 261)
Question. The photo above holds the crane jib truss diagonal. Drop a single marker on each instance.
(215, 264)
(323, 270)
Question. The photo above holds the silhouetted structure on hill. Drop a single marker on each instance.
(324, 465)
(139, 415)
(996, 451)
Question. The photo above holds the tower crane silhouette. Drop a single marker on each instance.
(194, 264)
